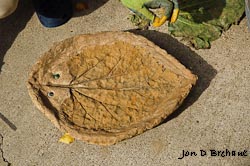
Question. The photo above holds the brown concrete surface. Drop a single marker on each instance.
(216, 115)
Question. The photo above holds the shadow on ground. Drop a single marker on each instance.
(11, 26)
(188, 58)
(91, 6)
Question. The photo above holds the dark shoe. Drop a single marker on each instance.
(53, 13)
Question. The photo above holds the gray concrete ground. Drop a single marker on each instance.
(216, 115)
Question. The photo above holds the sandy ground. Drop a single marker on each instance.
(215, 116)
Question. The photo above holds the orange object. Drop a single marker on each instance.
(81, 6)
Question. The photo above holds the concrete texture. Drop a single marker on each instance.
(214, 116)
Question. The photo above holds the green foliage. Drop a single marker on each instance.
(139, 21)
(203, 21)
